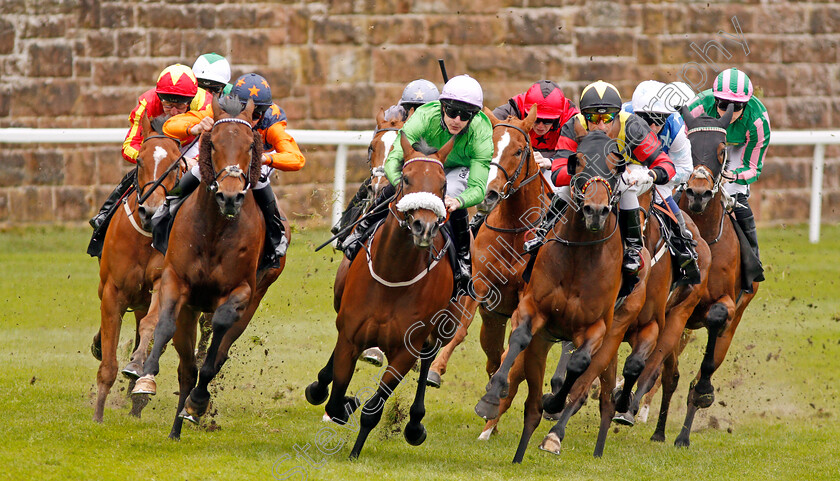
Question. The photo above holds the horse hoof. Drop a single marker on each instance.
(132, 370)
(485, 435)
(313, 397)
(681, 442)
(414, 436)
(374, 356)
(551, 443)
(643, 413)
(145, 385)
(433, 380)
(703, 401)
(326, 418)
(187, 416)
(487, 407)
(194, 409)
(96, 350)
(658, 437)
(551, 416)
(625, 419)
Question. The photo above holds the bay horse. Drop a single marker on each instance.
(572, 292)
(514, 205)
(130, 268)
(394, 296)
(724, 300)
(211, 264)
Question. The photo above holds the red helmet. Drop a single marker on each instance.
(176, 84)
(551, 103)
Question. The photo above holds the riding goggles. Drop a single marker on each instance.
(596, 118)
(454, 112)
(653, 118)
(211, 85)
(723, 104)
(549, 122)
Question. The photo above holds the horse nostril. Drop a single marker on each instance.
(416, 227)
(240, 198)
(220, 197)
(492, 197)
(587, 210)
(605, 211)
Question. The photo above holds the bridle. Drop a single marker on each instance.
(141, 197)
(232, 170)
(415, 200)
(378, 172)
(704, 172)
(507, 189)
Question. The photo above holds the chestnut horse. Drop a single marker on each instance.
(572, 292)
(129, 270)
(394, 297)
(514, 206)
(211, 263)
(723, 302)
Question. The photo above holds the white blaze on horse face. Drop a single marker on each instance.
(388, 139)
(159, 155)
(500, 149)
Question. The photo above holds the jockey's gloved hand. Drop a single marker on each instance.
(640, 178)
(542, 162)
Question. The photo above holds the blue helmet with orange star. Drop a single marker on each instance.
(254, 87)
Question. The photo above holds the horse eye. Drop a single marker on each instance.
(519, 152)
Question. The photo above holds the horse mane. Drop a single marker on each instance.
(205, 163)
(423, 147)
(231, 105)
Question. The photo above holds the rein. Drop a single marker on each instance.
(523, 158)
(142, 198)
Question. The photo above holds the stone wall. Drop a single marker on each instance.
(331, 64)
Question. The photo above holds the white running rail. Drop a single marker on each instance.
(343, 138)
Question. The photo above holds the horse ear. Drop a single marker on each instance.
(217, 109)
(580, 130)
(686, 116)
(530, 118)
(146, 126)
(727, 116)
(489, 114)
(380, 117)
(446, 149)
(248, 111)
(408, 150)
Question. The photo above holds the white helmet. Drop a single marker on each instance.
(463, 88)
(679, 94)
(648, 97)
(212, 66)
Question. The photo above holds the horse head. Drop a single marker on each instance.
(156, 155)
(230, 154)
(708, 151)
(512, 155)
(595, 169)
(383, 140)
(422, 190)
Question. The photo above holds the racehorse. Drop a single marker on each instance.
(514, 204)
(129, 270)
(724, 300)
(572, 291)
(211, 263)
(393, 297)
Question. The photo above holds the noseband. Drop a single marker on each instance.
(420, 200)
(232, 170)
(508, 189)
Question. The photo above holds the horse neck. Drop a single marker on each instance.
(516, 210)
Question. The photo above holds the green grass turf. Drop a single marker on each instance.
(775, 415)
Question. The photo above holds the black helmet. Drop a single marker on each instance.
(600, 97)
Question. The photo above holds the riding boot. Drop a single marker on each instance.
(113, 199)
(476, 222)
(163, 217)
(459, 222)
(631, 232)
(555, 211)
(275, 233)
(744, 216)
(352, 211)
(353, 242)
(686, 253)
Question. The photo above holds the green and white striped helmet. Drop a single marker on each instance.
(734, 85)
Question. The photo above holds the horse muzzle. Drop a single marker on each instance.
(145, 213)
(491, 200)
(698, 200)
(423, 232)
(230, 204)
(595, 217)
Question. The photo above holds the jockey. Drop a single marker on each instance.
(600, 105)
(553, 110)
(657, 103)
(175, 93)
(747, 138)
(457, 113)
(212, 71)
(280, 152)
(415, 94)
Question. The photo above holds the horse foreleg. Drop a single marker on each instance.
(492, 339)
(670, 379)
(633, 367)
(467, 314)
(606, 404)
(488, 405)
(184, 343)
(559, 376)
(111, 309)
(145, 329)
(415, 432)
(533, 371)
(205, 329)
(339, 408)
(373, 408)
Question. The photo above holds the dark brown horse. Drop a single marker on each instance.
(723, 302)
(211, 262)
(572, 292)
(394, 297)
(130, 268)
(514, 204)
